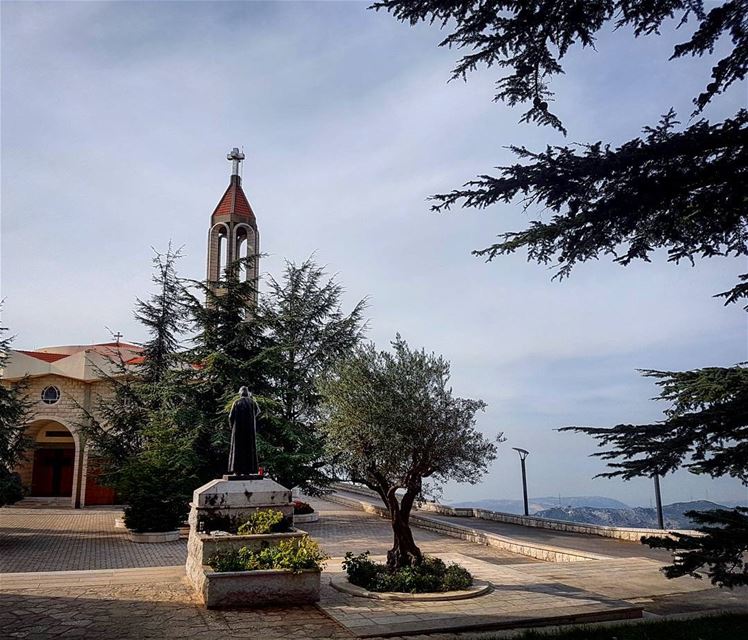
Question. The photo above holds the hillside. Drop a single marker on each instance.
(540, 504)
(631, 517)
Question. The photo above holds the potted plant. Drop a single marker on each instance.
(303, 512)
(155, 503)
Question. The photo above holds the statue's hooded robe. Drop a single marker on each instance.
(243, 421)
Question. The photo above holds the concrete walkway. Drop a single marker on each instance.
(534, 536)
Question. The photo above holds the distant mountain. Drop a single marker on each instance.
(673, 514)
(540, 504)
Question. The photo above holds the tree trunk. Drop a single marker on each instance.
(404, 551)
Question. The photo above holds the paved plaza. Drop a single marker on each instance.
(75, 539)
(71, 574)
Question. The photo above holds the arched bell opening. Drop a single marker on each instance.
(242, 251)
(218, 251)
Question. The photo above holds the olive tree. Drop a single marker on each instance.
(393, 424)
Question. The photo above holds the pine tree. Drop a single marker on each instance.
(143, 427)
(228, 353)
(706, 431)
(15, 410)
(308, 332)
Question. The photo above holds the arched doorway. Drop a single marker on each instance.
(52, 459)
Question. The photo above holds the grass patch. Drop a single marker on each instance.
(719, 627)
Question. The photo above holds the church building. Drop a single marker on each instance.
(64, 382)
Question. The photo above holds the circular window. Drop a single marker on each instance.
(50, 395)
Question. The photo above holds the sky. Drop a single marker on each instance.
(116, 121)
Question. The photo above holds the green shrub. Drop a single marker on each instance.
(457, 578)
(264, 521)
(295, 555)
(301, 508)
(361, 569)
(155, 496)
(11, 489)
(430, 575)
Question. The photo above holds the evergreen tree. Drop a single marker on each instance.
(683, 190)
(308, 333)
(15, 411)
(228, 353)
(394, 424)
(143, 427)
(706, 431)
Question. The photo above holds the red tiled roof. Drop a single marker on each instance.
(235, 202)
(46, 357)
(124, 345)
(136, 360)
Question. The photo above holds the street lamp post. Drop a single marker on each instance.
(522, 455)
(658, 500)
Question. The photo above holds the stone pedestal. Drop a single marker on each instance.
(219, 506)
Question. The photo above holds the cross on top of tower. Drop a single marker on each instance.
(236, 157)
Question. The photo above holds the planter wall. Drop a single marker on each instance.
(148, 537)
(259, 588)
(305, 517)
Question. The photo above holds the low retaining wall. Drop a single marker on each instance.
(259, 588)
(630, 534)
(463, 532)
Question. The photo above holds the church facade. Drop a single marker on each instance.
(63, 383)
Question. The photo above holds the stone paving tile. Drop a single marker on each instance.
(341, 529)
(515, 602)
(81, 539)
(75, 539)
(158, 608)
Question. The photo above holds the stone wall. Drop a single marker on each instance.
(631, 534)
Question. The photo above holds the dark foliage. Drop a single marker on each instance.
(723, 547)
(15, 411)
(529, 38)
(684, 191)
(164, 316)
(155, 494)
(227, 354)
(705, 430)
(143, 426)
(430, 575)
(680, 190)
(307, 333)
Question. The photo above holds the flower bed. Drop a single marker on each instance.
(295, 554)
(431, 575)
(301, 508)
(262, 521)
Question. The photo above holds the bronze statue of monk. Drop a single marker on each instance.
(243, 421)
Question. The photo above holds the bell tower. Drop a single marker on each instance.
(233, 233)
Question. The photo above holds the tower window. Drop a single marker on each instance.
(50, 395)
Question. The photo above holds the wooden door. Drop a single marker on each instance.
(53, 472)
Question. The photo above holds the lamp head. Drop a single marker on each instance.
(523, 453)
